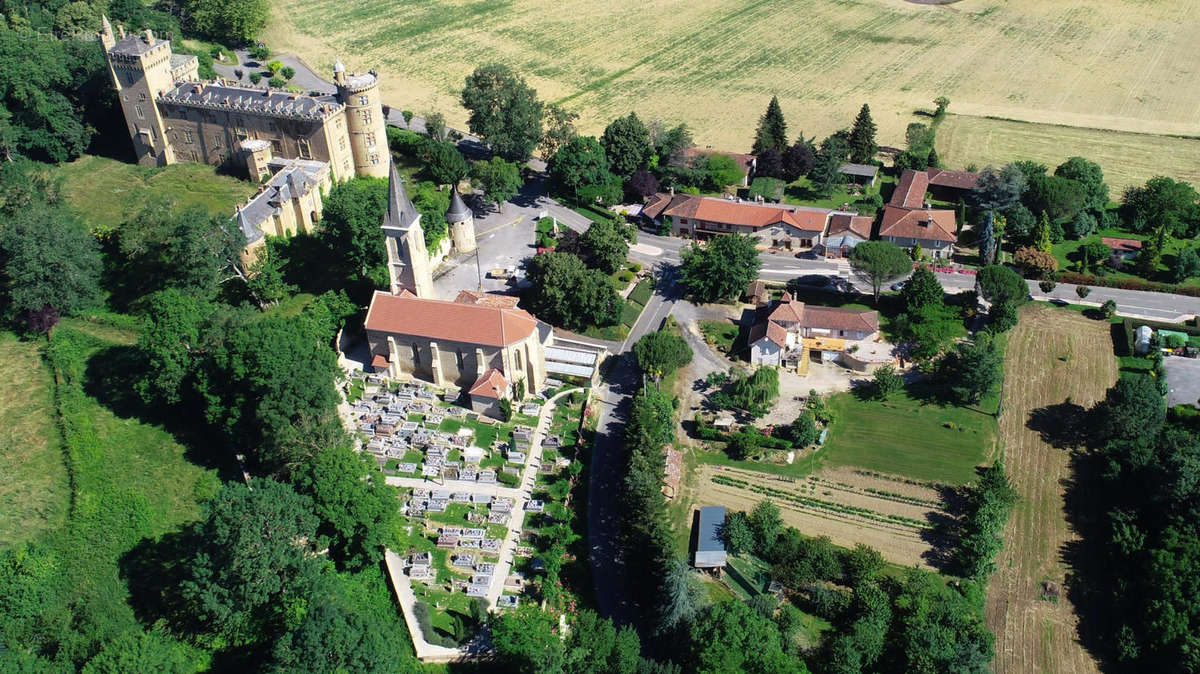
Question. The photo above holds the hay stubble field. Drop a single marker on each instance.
(1110, 64)
(1053, 356)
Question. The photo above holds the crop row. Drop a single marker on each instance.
(818, 504)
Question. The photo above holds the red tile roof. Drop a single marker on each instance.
(860, 225)
(487, 299)
(1122, 245)
(491, 385)
(931, 224)
(745, 214)
(963, 180)
(910, 191)
(379, 360)
(809, 316)
(451, 321)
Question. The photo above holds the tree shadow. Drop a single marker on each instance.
(111, 376)
(1090, 576)
(1063, 425)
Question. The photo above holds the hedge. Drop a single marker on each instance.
(1126, 283)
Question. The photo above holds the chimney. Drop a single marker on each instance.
(672, 190)
(149, 37)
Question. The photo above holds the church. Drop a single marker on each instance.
(480, 343)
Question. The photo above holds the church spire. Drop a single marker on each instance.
(409, 266)
(401, 214)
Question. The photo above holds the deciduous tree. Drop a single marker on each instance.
(579, 164)
(999, 284)
(525, 641)
(626, 143)
(1185, 265)
(444, 162)
(1091, 177)
(250, 568)
(1035, 263)
(500, 180)
(49, 259)
(350, 225)
(357, 510)
(563, 291)
(234, 21)
(999, 189)
(737, 534)
(972, 369)
(721, 270)
(605, 245)
(885, 382)
(505, 111)
(558, 125)
(798, 160)
(660, 353)
(922, 289)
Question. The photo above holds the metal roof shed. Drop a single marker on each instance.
(710, 549)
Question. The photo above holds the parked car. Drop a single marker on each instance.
(899, 286)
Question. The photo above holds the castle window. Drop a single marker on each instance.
(188, 137)
(365, 116)
(342, 143)
(371, 139)
(517, 354)
(364, 99)
(459, 359)
(346, 166)
(137, 107)
(141, 95)
(305, 151)
(416, 355)
(277, 145)
(374, 159)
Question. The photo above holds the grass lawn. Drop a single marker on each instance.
(130, 481)
(801, 193)
(1065, 253)
(720, 334)
(108, 192)
(35, 493)
(909, 436)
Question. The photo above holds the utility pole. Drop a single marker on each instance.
(478, 270)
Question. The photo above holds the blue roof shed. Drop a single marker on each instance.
(710, 549)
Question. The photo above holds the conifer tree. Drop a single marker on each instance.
(772, 129)
(1042, 240)
(987, 240)
(862, 137)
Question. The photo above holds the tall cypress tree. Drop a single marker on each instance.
(862, 137)
(1042, 241)
(987, 241)
(772, 129)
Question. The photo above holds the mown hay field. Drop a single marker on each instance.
(1115, 64)
(1053, 357)
(1127, 158)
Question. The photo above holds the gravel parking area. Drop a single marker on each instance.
(1183, 378)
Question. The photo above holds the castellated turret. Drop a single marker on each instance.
(364, 120)
(462, 223)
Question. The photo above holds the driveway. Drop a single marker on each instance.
(1183, 380)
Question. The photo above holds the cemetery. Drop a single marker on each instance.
(484, 501)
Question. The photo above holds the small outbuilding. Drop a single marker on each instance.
(1143, 335)
(710, 548)
(861, 174)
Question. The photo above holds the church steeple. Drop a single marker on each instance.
(408, 260)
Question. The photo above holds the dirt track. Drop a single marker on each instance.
(1053, 356)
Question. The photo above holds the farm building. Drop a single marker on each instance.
(789, 326)
(774, 225)
(950, 186)
(710, 549)
(860, 174)
(756, 293)
(909, 220)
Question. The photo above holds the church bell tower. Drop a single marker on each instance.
(408, 260)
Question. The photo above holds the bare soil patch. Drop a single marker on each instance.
(1052, 357)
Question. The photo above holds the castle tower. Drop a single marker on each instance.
(364, 121)
(257, 155)
(408, 261)
(462, 223)
(140, 66)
